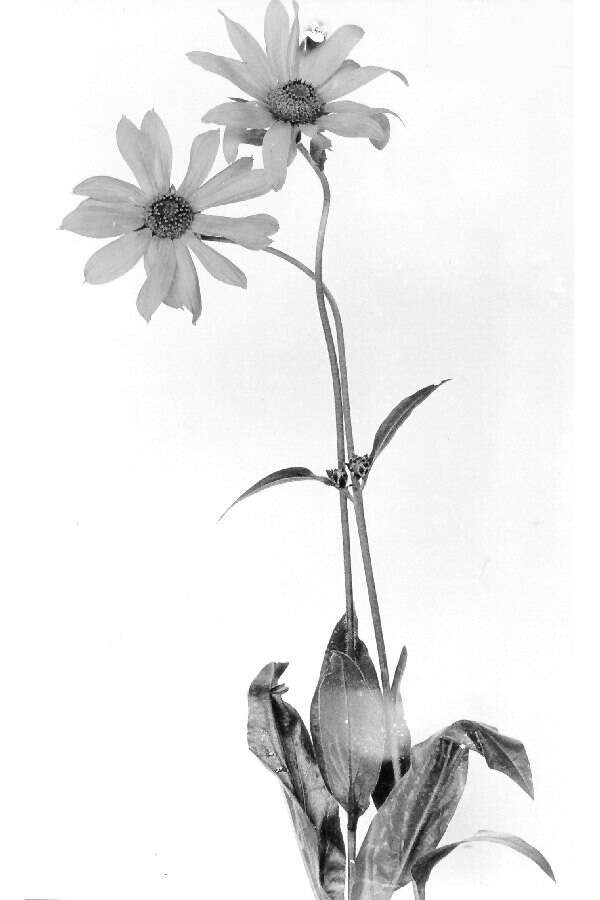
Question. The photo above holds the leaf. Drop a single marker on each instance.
(346, 722)
(282, 476)
(399, 673)
(277, 735)
(400, 738)
(415, 815)
(412, 820)
(502, 753)
(360, 654)
(308, 843)
(398, 417)
(423, 867)
(263, 735)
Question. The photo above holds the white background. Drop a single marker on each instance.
(133, 623)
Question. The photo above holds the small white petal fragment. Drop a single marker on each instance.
(136, 150)
(185, 290)
(215, 263)
(93, 218)
(235, 71)
(319, 64)
(111, 190)
(116, 258)
(277, 26)
(160, 265)
(276, 151)
(202, 156)
(252, 232)
(154, 129)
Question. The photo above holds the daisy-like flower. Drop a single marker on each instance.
(162, 223)
(296, 89)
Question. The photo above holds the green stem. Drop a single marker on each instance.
(345, 401)
(339, 332)
(352, 822)
(357, 489)
(339, 422)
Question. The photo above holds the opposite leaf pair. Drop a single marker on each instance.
(357, 467)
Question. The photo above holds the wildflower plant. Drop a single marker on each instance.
(356, 756)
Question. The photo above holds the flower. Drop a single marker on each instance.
(296, 89)
(162, 223)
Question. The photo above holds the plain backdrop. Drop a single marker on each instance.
(133, 622)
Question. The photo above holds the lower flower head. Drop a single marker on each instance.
(170, 216)
(295, 88)
(162, 224)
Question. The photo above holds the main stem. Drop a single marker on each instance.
(351, 832)
(339, 425)
(358, 504)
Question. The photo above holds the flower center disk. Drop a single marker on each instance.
(296, 102)
(169, 216)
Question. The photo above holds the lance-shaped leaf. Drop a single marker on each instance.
(347, 726)
(282, 476)
(502, 753)
(277, 735)
(400, 738)
(398, 416)
(413, 819)
(400, 734)
(423, 867)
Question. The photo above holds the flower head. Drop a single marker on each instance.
(295, 89)
(161, 223)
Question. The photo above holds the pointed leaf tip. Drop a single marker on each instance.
(398, 417)
(281, 476)
(398, 674)
(422, 869)
(501, 753)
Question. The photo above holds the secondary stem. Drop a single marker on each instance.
(357, 489)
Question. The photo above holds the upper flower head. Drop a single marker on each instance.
(296, 88)
(159, 222)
